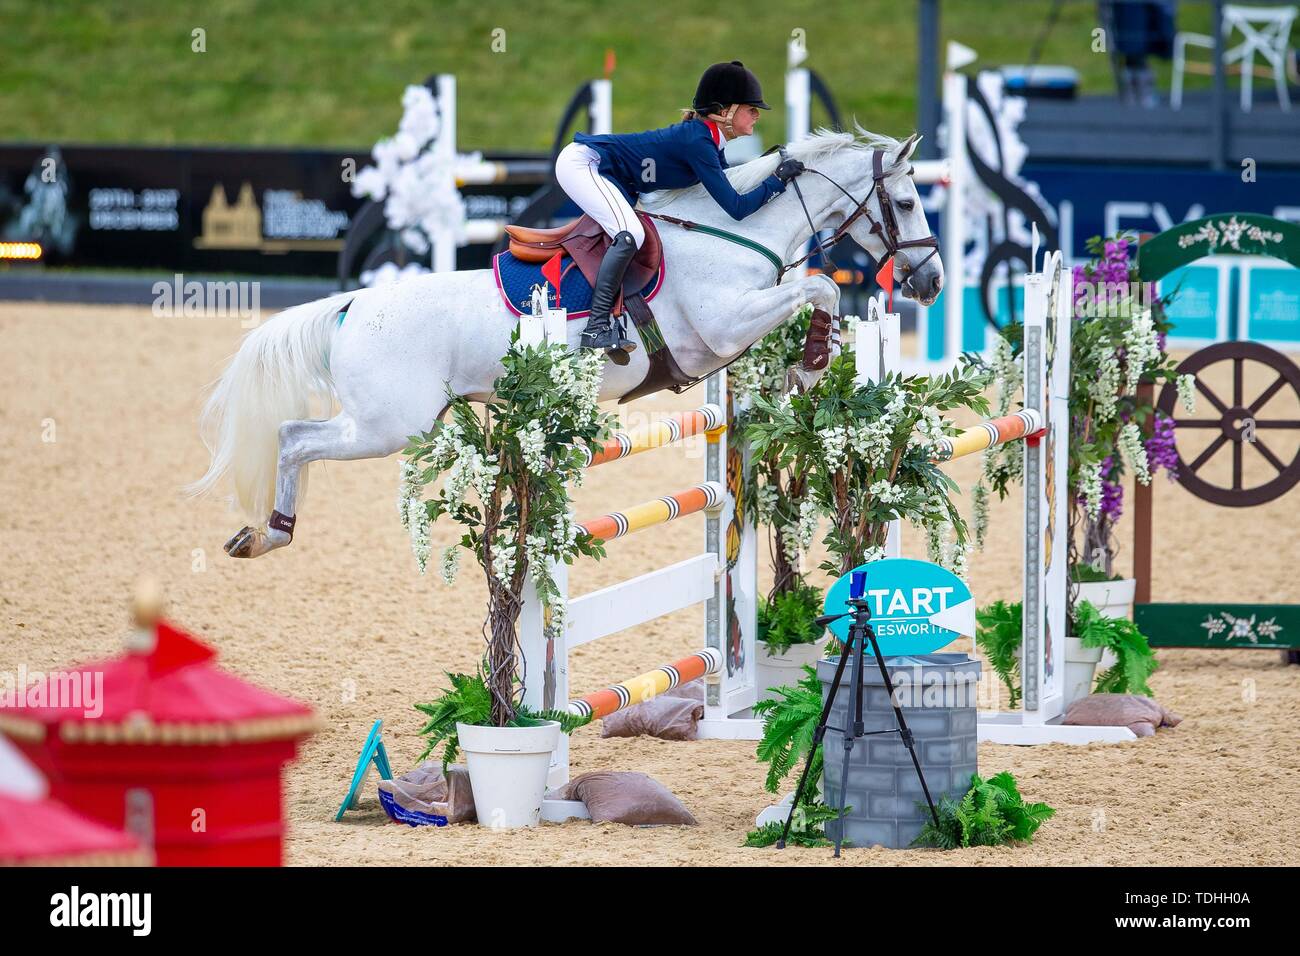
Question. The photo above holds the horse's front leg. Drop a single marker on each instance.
(760, 311)
(728, 332)
(823, 342)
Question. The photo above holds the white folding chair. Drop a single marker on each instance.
(1265, 31)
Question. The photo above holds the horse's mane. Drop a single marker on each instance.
(811, 150)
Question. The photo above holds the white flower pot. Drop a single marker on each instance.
(1113, 599)
(784, 670)
(1080, 669)
(507, 771)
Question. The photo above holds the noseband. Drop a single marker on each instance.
(886, 229)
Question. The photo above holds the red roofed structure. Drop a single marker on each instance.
(177, 752)
(46, 833)
(37, 831)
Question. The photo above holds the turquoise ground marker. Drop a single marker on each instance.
(372, 752)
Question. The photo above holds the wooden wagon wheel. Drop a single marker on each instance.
(1232, 420)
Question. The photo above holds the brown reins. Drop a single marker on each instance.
(886, 231)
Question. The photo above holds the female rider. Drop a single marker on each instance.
(605, 174)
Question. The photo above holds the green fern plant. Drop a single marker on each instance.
(1134, 659)
(991, 813)
(807, 828)
(786, 618)
(469, 701)
(789, 723)
(998, 635)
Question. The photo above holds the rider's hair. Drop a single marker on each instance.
(690, 114)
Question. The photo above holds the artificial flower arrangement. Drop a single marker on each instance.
(505, 470)
(863, 456)
(1118, 337)
(416, 182)
(864, 453)
(782, 506)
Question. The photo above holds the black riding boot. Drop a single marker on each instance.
(603, 331)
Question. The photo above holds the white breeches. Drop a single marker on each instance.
(577, 169)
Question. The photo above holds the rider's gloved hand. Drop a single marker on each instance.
(788, 170)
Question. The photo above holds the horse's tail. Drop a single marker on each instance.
(279, 374)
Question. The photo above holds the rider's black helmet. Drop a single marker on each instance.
(725, 83)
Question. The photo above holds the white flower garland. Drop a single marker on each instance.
(450, 564)
(1105, 387)
(417, 188)
(1186, 386)
(834, 442)
(1141, 348)
(1134, 451)
(417, 523)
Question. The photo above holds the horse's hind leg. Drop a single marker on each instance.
(338, 439)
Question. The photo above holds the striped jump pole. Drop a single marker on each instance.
(602, 703)
(666, 431)
(705, 497)
(721, 581)
(995, 431)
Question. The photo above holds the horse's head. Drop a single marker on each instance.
(854, 178)
(892, 222)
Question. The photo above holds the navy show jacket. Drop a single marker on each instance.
(674, 157)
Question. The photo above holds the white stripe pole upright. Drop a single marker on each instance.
(876, 351)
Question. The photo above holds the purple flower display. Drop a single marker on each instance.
(1160, 446)
(1112, 500)
(1104, 401)
(1080, 286)
(1112, 269)
(1112, 492)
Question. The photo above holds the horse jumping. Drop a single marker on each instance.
(389, 356)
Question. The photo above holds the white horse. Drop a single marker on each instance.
(390, 362)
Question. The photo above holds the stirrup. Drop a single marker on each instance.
(599, 335)
(609, 335)
(620, 353)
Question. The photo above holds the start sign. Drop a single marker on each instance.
(916, 607)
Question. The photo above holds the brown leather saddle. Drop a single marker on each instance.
(585, 242)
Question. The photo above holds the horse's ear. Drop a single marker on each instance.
(906, 148)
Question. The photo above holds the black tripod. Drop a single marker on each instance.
(860, 631)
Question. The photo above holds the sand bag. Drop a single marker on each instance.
(629, 798)
(423, 797)
(673, 715)
(1142, 715)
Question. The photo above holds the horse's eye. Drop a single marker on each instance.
(906, 205)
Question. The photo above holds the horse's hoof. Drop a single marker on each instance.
(244, 543)
(618, 356)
